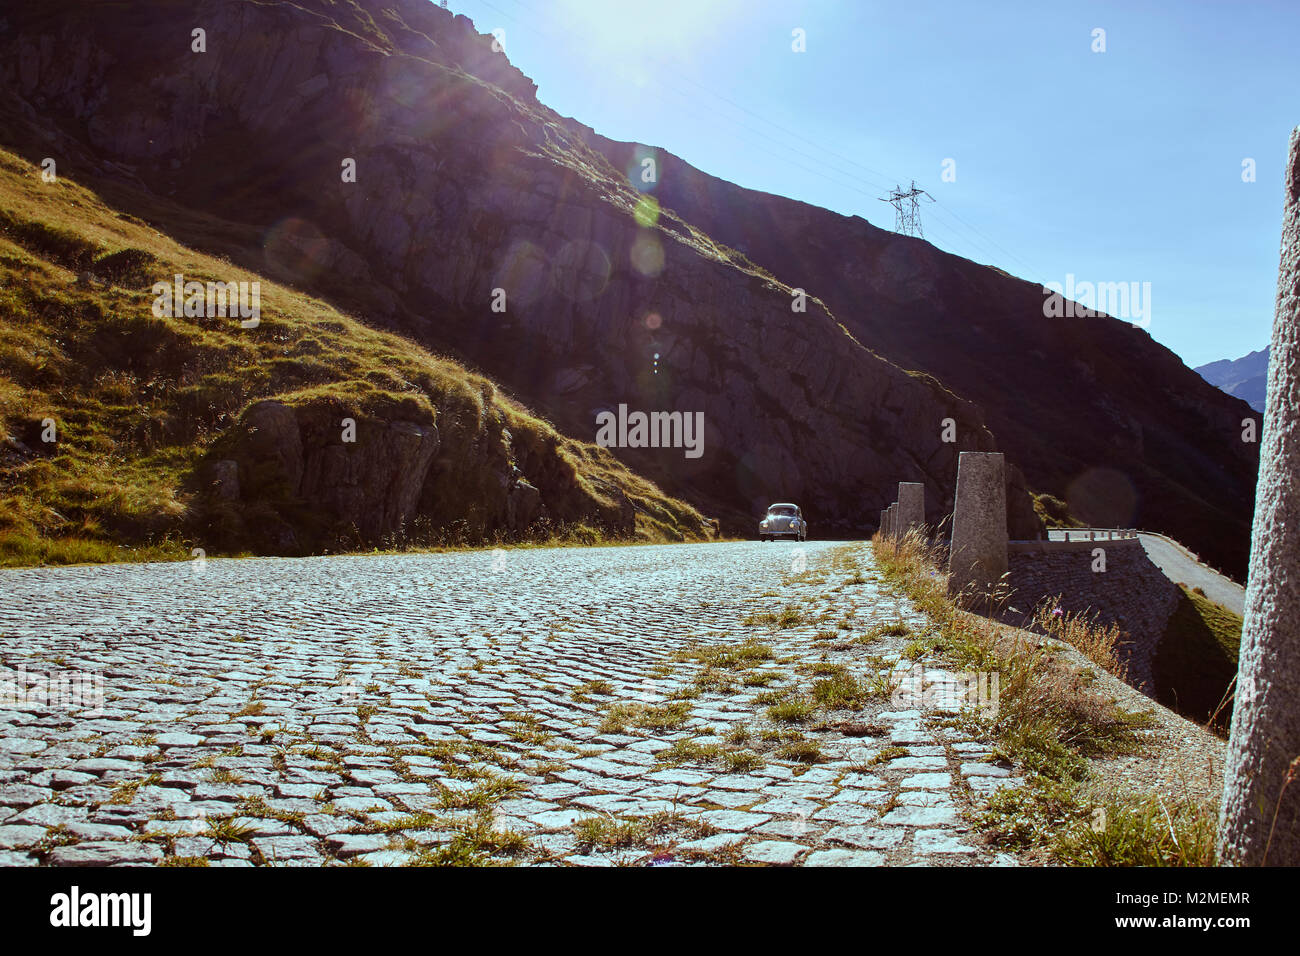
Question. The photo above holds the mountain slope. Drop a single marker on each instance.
(125, 431)
(467, 185)
(1093, 409)
(1246, 377)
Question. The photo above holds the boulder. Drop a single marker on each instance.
(524, 502)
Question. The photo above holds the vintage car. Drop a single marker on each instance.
(783, 521)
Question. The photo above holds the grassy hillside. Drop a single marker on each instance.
(1196, 661)
(141, 405)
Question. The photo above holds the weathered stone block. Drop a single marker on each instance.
(911, 506)
(1261, 813)
(978, 557)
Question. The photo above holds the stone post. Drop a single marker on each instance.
(884, 528)
(1260, 821)
(911, 506)
(978, 557)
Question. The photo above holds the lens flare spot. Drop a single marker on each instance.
(298, 246)
(1103, 497)
(580, 270)
(647, 255)
(523, 271)
(646, 212)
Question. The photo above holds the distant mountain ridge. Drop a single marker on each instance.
(1246, 377)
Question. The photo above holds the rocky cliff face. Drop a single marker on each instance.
(290, 482)
(481, 223)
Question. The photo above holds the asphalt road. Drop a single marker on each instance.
(1181, 568)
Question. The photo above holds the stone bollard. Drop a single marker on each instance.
(884, 522)
(889, 521)
(1260, 820)
(978, 557)
(911, 506)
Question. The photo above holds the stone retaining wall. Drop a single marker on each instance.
(1132, 592)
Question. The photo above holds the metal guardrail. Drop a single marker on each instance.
(1090, 534)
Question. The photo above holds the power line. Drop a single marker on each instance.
(974, 236)
(907, 209)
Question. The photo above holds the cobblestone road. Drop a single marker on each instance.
(678, 704)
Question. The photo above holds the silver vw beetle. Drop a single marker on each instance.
(783, 521)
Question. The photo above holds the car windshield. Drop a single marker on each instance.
(783, 511)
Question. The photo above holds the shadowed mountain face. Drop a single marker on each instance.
(1092, 409)
(483, 224)
(1246, 377)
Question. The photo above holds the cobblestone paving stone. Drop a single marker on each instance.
(588, 707)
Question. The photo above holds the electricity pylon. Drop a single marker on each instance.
(907, 211)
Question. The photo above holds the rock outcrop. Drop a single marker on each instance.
(290, 480)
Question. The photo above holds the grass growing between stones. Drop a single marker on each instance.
(475, 843)
(726, 667)
(481, 796)
(801, 751)
(1056, 823)
(668, 716)
(689, 751)
(887, 754)
(739, 656)
(1048, 717)
(840, 692)
(659, 829)
(856, 728)
(794, 710)
(734, 759)
(227, 830)
(592, 688)
(742, 761)
(527, 728)
(789, 616)
(1051, 720)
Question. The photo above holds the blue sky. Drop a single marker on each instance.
(1115, 166)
